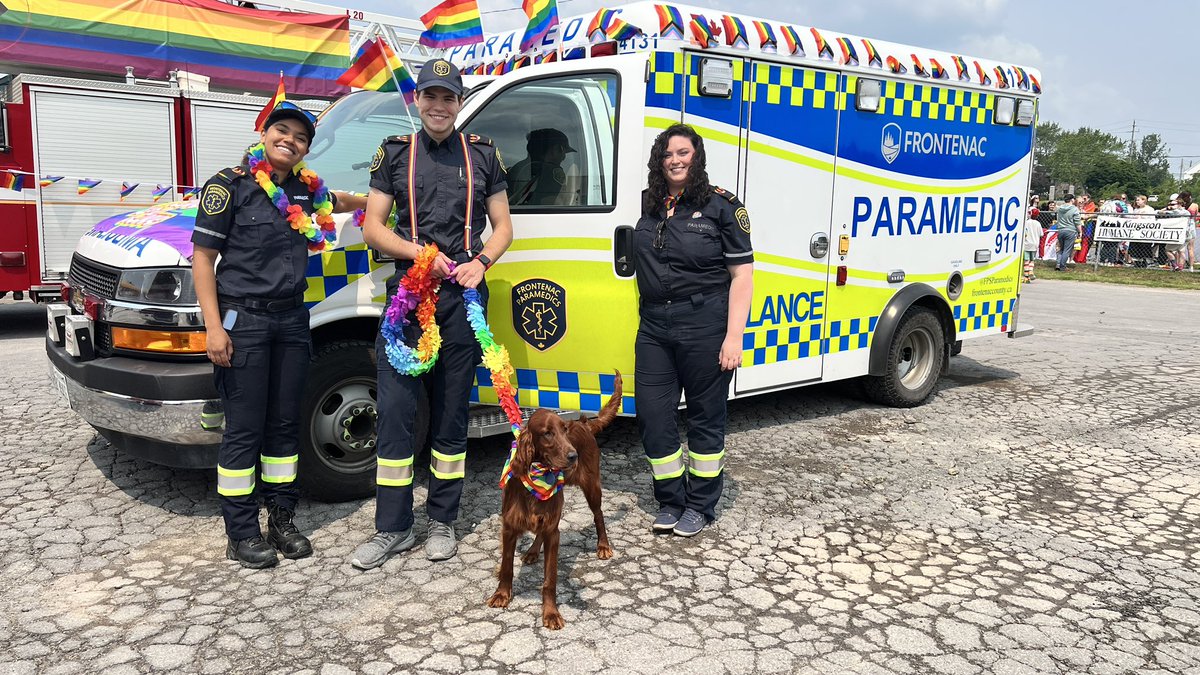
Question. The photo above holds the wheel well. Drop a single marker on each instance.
(357, 328)
(919, 295)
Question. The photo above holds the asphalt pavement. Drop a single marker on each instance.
(1039, 515)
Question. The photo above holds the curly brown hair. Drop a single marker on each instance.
(695, 189)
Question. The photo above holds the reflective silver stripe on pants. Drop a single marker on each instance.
(394, 472)
(279, 469)
(706, 466)
(448, 467)
(235, 482)
(670, 466)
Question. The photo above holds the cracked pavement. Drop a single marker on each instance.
(1039, 515)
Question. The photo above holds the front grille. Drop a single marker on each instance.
(94, 278)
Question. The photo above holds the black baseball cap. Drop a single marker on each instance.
(440, 73)
(544, 138)
(286, 110)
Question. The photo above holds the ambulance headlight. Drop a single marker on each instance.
(1024, 113)
(169, 286)
(1004, 111)
(867, 94)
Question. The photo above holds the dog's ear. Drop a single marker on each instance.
(524, 457)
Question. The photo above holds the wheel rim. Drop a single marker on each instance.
(343, 427)
(915, 361)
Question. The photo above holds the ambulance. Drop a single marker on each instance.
(885, 185)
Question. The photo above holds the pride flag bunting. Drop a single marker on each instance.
(670, 22)
(918, 67)
(160, 191)
(597, 30)
(873, 58)
(983, 77)
(279, 97)
(961, 65)
(702, 33)
(191, 193)
(543, 15)
(453, 23)
(621, 30)
(127, 189)
(936, 70)
(1021, 79)
(824, 51)
(47, 181)
(735, 32)
(12, 181)
(894, 65)
(1001, 78)
(849, 56)
(86, 184)
(792, 39)
(766, 37)
(1033, 82)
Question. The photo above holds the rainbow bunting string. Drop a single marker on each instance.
(824, 51)
(766, 36)
(597, 30)
(983, 77)
(47, 181)
(894, 66)
(792, 39)
(620, 30)
(191, 193)
(12, 181)
(961, 64)
(160, 191)
(453, 23)
(670, 22)
(1033, 82)
(702, 33)
(918, 67)
(849, 56)
(543, 16)
(127, 189)
(936, 70)
(735, 32)
(86, 184)
(1001, 78)
(873, 58)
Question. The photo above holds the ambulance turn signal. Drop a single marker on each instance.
(161, 341)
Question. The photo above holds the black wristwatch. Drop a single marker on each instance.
(487, 262)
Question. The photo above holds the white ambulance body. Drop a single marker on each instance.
(886, 210)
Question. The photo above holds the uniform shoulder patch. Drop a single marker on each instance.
(377, 159)
(215, 199)
(479, 140)
(500, 158)
(559, 175)
(743, 218)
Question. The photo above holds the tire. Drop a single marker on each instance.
(338, 431)
(915, 359)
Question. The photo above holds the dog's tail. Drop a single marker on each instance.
(609, 412)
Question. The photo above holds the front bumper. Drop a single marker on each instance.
(160, 402)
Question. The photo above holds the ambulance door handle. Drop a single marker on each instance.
(818, 246)
(623, 251)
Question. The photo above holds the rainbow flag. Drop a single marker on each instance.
(670, 22)
(546, 57)
(621, 30)
(983, 77)
(279, 97)
(376, 67)
(1033, 82)
(849, 56)
(735, 32)
(86, 184)
(452, 23)
(766, 37)
(873, 58)
(12, 181)
(792, 39)
(702, 33)
(47, 181)
(160, 191)
(238, 47)
(918, 67)
(597, 30)
(543, 15)
(1001, 78)
(127, 189)
(961, 64)
(894, 65)
(1022, 80)
(191, 193)
(824, 51)
(522, 61)
(937, 71)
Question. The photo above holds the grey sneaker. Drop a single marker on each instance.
(381, 547)
(667, 517)
(690, 523)
(440, 544)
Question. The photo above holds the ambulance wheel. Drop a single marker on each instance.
(338, 423)
(914, 362)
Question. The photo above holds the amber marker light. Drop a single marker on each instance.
(160, 341)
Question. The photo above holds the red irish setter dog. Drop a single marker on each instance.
(571, 447)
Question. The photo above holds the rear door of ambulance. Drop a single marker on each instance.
(563, 298)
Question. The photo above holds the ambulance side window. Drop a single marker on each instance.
(558, 140)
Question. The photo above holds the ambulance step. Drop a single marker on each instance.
(1022, 330)
(489, 420)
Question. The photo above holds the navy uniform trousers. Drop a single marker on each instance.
(678, 347)
(449, 388)
(261, 392)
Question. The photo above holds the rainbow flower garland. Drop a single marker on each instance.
(320, 235)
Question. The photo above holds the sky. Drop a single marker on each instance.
(1103, 66)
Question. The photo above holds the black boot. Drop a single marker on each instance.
(252, 552)
(283, 535)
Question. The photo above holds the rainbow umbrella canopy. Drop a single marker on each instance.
(237, 47)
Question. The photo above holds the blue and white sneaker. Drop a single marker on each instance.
(667, 517)
(690, 523)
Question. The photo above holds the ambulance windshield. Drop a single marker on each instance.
(350, 130)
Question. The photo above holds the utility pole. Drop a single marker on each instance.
(1132, 131)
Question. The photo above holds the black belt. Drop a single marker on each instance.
(697, 299)
(265, 304)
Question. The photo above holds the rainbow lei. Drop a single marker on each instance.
(320, 235)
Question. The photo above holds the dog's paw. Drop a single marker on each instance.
(604, 552)
(553, 620)
(499, 599)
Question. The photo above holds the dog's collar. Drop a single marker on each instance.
(543, 482)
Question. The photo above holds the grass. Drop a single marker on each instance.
(1127, 276)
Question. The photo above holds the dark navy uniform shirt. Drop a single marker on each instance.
(440, 184)
(696, 246)
(261, 255)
